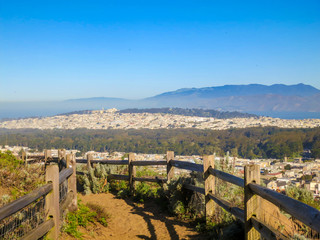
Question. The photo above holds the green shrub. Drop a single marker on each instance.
(303, 195)
(81, 217)
(8, 161)
(95, 180)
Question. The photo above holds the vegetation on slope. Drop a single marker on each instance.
(16, 179)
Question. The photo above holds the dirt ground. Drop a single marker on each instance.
(130, 220)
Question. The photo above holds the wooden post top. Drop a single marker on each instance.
(61, 153)
(89, 156)
(252, 174)
(131, 157)
(170, 155)
(208, 161)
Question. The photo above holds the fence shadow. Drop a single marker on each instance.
(151, 211)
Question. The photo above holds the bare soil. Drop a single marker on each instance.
(129, 220)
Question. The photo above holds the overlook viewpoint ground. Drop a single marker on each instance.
(131, 220)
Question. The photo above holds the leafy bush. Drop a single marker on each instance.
(303, 195)
(145, 191)
(8, 161)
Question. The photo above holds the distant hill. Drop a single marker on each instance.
(191, 112)
(278, 100)
(300, 90)
(254, 98)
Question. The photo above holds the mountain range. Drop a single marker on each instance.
(275, 100)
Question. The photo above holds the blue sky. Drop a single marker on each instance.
(55, 50)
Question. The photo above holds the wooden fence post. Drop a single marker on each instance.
(72, 181)
(170, 168)
(61, 155)
(132, 172)
(209, 186)
(89, 158)
(52, 200)
(47, 154)
(24, 156)
(251, 201)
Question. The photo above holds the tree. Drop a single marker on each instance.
(287, 167)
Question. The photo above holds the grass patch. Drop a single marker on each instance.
(102, 216)
(86, 217)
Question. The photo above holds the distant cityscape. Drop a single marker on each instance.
(112, 119)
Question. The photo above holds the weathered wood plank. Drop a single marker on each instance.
(227, 177)
(146, 179)
(24, 201)
(251, 201)
(301, 211)
(209, 186)
(104, 161)
(132, 172)
(237, 212)
(118, 177)
(66, 202)
(52, 200)
(194, 188)
(64, 174)
(148, 163)
(170, 168)
(40, 231)
(89, 159)
(111, 162)
(267, 232)
(63, 163)
(47, 155)
(72, 180)
(187, 165)
(81, 160)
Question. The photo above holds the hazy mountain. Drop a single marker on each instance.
(244, 90)
(299, 100)
(246, 98)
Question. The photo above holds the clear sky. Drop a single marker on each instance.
(55, 50)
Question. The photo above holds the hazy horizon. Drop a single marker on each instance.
(133, 99)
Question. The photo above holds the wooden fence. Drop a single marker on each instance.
(57, 196)
(250, 215)
(254, 194)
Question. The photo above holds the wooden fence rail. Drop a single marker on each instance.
(301, 211)
(13, 207)
(49, 191)
(255, 228)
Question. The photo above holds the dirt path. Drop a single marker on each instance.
(136, 221)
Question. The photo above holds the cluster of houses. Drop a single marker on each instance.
(278, 175)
